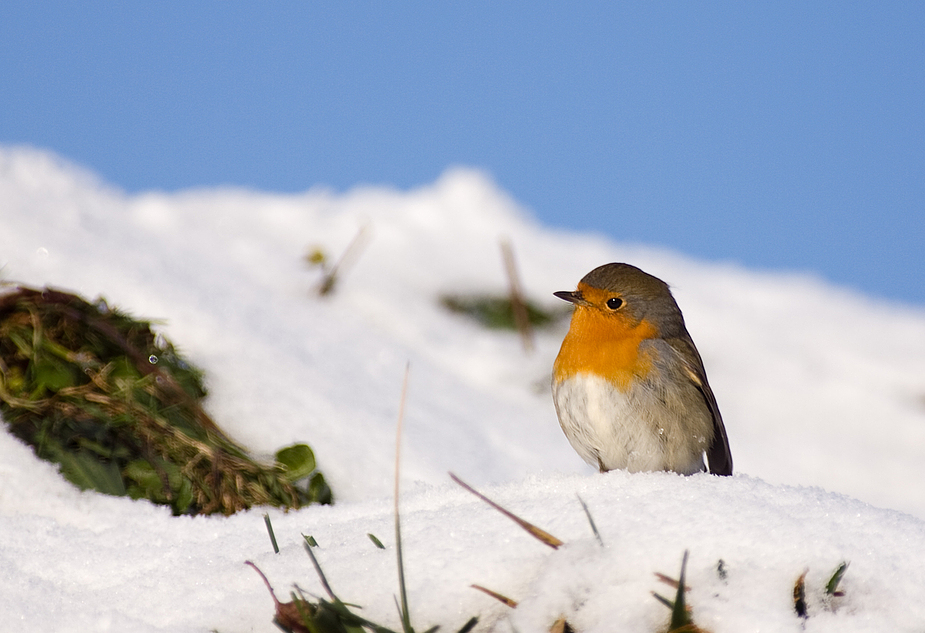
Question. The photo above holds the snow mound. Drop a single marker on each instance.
(819, 387)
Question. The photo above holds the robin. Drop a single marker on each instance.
(629, 385)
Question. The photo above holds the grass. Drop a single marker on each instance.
(342, 617)
(498, 312)
(120, 410)
(333, 615)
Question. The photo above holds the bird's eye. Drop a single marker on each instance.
(615, 303)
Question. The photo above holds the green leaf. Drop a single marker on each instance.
(184, 496)
(53, 375)
(84, 470)
(376, 541)
(122, 368)
(95, 448)
(319, 491)
(143, 474)
(15, 381)
(298, 461)
(147, 482)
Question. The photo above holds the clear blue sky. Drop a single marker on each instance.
(783, 135)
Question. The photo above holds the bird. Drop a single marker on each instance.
(628, 384)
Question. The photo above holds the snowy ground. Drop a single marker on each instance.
(822, 391)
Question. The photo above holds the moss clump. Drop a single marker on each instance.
(118, 408)
(497, 311)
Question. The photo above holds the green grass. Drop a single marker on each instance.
(120, 410)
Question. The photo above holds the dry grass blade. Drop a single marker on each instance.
(671, 582)
(561, 626)
(799, 595)
(403, 608)
(497, 596)
(518, 305)
(537, 533)
(350, 255)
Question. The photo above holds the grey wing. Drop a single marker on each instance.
(718, 454)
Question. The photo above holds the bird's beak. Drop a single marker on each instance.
(574, 297)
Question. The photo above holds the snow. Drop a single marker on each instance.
(822, 390)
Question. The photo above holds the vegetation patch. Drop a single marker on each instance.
(120, 410)
(497, 311)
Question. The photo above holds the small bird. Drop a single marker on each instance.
(629, 385)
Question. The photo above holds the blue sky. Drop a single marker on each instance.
(784, 135)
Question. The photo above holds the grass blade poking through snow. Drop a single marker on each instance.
(403, 607)
(323, 616)
(302, 616)
(831, 587)
(518, 305)
(679, 615)
(349, 256)
(537, 533)
(266, 519)
(681, 621)
(321, 576)
(584, 507)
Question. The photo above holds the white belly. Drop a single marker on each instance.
(637, 430)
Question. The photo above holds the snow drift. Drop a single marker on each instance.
(822, 392)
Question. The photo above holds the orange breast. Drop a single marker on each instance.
(606, 345)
